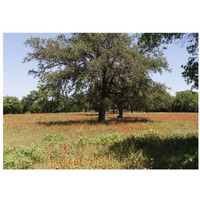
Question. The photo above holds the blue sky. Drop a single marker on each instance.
(17, 82)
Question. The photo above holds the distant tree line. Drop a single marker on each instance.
(157, 100)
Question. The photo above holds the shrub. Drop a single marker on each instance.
(176, 152)
(108, 139)
(102, 139)
(83, 141)
(53, 139)
(21, 157)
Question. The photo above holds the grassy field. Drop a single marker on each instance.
(78, 141)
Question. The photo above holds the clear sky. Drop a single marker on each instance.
(17, 82)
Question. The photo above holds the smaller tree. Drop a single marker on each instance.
(29, 100)
(12, 105)
(186, 101)
(162, 101)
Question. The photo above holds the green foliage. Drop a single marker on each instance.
(36, 102)
(154, 151)
(160, 101)
(45, 101)
(11, 105)
(82, 141)
(52, 139)
(80, 102)
(190, 160)
(21, 157)
(29, 100)
(150, 43)
(186, 101)
(108, 139)
(102, 139)
(154, 99)
(191, 69)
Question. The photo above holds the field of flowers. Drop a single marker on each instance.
(78, 141)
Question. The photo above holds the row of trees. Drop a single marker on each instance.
(157, 101)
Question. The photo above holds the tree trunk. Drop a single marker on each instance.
(103, 100)
(131, 109)
(120, 111)
(101, 115)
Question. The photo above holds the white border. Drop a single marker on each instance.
(97, 16)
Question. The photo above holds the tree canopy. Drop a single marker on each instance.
(11, 105)
(152, 42)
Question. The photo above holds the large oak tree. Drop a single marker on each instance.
(107, 63)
